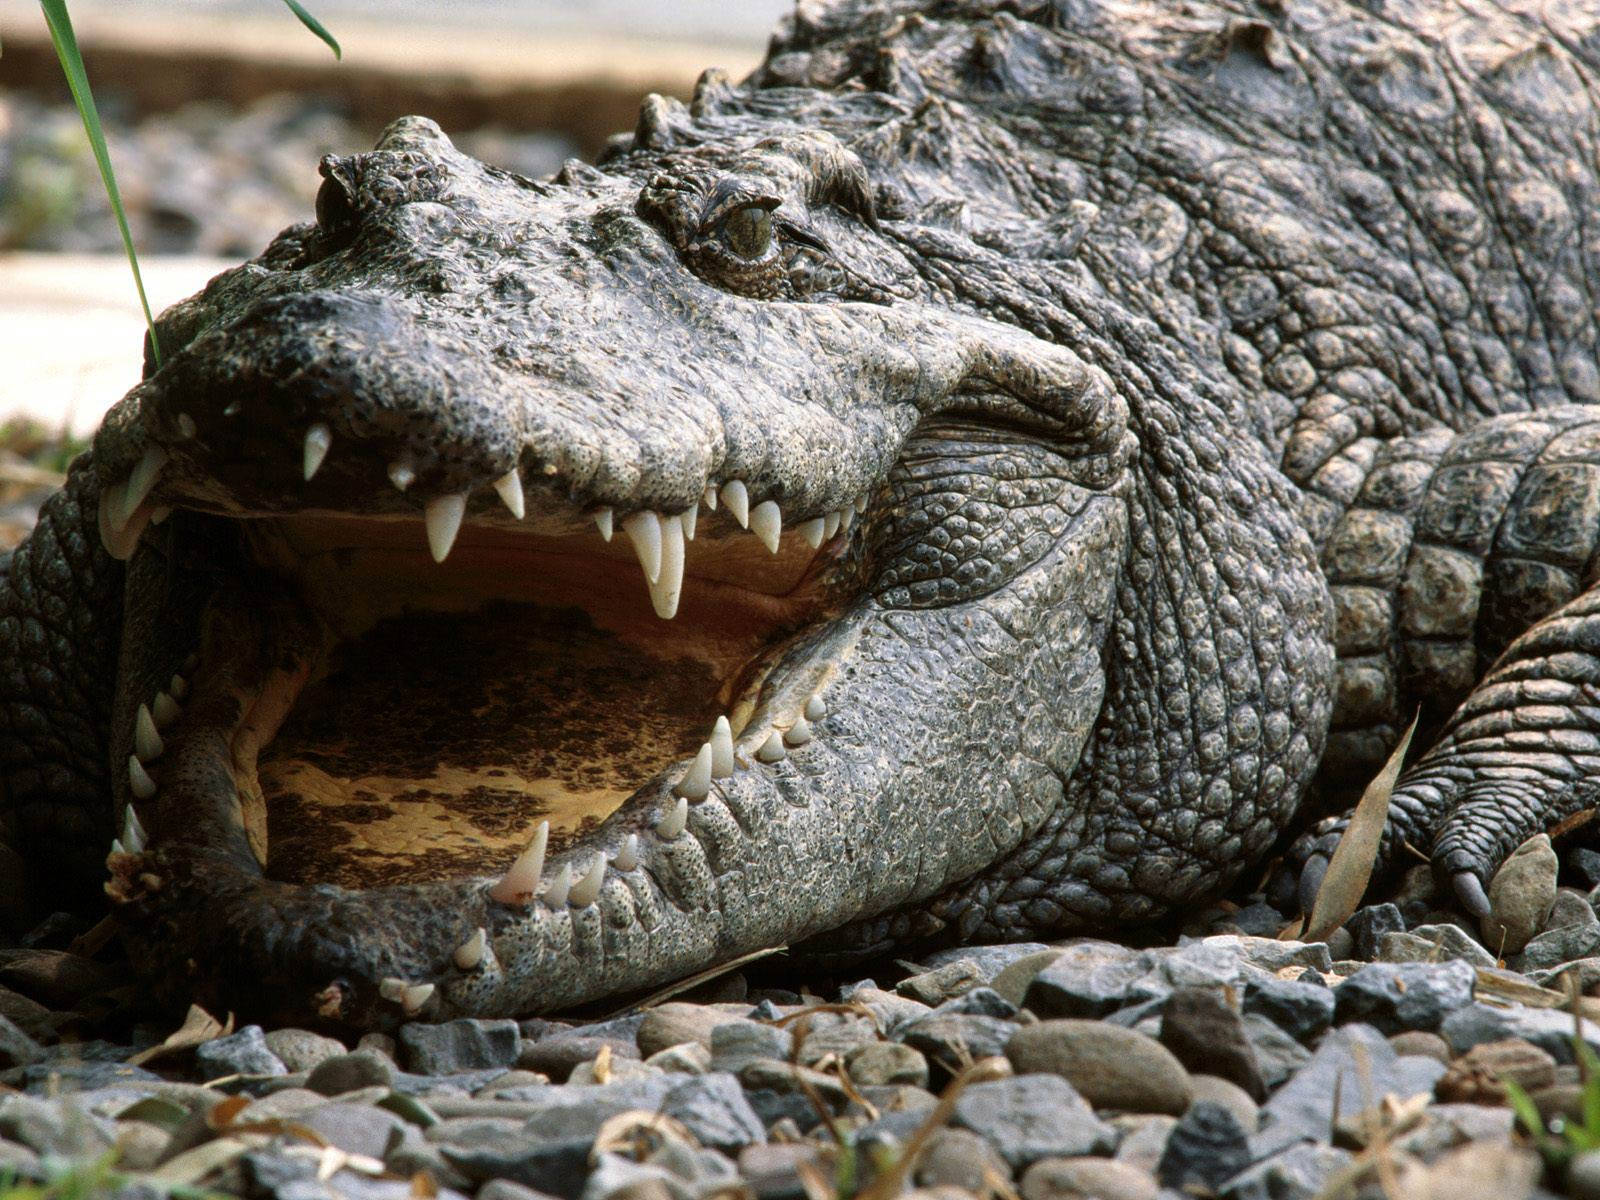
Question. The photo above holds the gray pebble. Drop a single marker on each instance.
(347, 1072)
(1030, 1117)
(1215, 1090)
(1548, 1028)
(1110, 1067)
(1521, 895)
(1298, 1173)
(737, 1043)
(959, 1158)
(1207, 1147)
(1434, 943)
(302, 1050)
(17, 1049)
(877, 1064)
(465, 1044)
(355, 1128)
(689, 1058)
(1397, 996)
(1073, 1178)
(242, 1053)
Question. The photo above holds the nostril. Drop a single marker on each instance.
(336, 201)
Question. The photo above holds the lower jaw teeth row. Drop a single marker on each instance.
(148, 746)
(715, 760)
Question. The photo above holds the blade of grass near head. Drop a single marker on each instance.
(315, 26)
(1350, 870)
(66, 47)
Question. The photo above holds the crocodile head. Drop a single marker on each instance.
(538, 591)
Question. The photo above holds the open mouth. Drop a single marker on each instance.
(404, 698)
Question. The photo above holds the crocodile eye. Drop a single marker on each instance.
(747, 231)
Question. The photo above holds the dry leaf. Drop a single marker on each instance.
(194, 1165)
(199, 1026)
(1350, 870)
(224, 1114)
(626, 1133)
(693, 981)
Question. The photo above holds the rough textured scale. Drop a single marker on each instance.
(1141, 410)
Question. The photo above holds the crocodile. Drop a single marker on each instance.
(1004, 469)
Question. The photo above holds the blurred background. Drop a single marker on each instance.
(217, 112)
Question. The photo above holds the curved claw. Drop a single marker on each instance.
(1311, 876)
(1469, 890)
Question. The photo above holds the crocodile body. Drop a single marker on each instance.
(973, 480)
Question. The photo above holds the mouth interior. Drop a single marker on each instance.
(454, 706)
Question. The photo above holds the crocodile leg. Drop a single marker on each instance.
(60, 626)
(1434, 570)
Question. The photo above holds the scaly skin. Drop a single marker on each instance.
(1211, 382)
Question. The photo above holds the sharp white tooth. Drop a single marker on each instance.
(709, 497)
(122, 543)
(470, 953)
(134, 837)
(816, 709)
(861, 503)
(628, 855)
(671, 825)
(414, 997)
(587, 890)
(737, 499)
(766, 522)
(847, 518)
(556, 894)
(392, 988)
(116, 846)
(518, 884)
(689, 518)
(696, 780)
(139, 779)
(831, 523)
(110, 505)
(772, 749)
(179, 687)
(402, 474)
(147, 743)
(797, 734)
(602, 520)
(813, 531)
(509, 486)
(164, 709)
(110, 502)
(721, 749)
(644, 531)
(666, 590)
(186, 426)
(140, 482)
(318, 438)
(443, 516)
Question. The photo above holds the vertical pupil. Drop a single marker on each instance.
(748, 230)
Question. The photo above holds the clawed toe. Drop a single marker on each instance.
(1469, 891)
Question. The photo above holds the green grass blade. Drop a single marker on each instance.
(1527, 1111)
(66, 46)
(315, 26)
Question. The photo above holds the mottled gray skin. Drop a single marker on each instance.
(1218, 380)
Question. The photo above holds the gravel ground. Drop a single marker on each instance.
(201, 180)
(1232, 1064)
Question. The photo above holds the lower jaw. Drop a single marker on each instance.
(271, 878)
